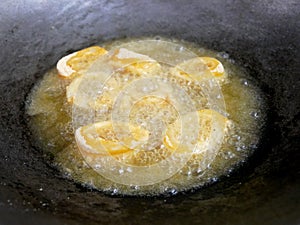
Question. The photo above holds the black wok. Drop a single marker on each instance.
(261, 36)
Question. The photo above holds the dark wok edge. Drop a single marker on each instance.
(269, 180)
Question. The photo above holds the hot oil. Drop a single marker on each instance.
(51, 124)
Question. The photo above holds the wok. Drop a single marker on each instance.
(261, 36)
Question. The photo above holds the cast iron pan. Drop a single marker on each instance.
(261, 36)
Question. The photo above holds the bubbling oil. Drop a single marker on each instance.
(50, 119)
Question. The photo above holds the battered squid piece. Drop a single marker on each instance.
(106, 74)
(211, 124)
(75, 64)
(101, 139)
(201, 67)
(134, 63)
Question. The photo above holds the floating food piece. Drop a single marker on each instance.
(134, 63)
(106, 138)
(119, 63)
(73, 64)
(199, 68)
(211, 128)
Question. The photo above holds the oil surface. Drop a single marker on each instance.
(51, 124)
